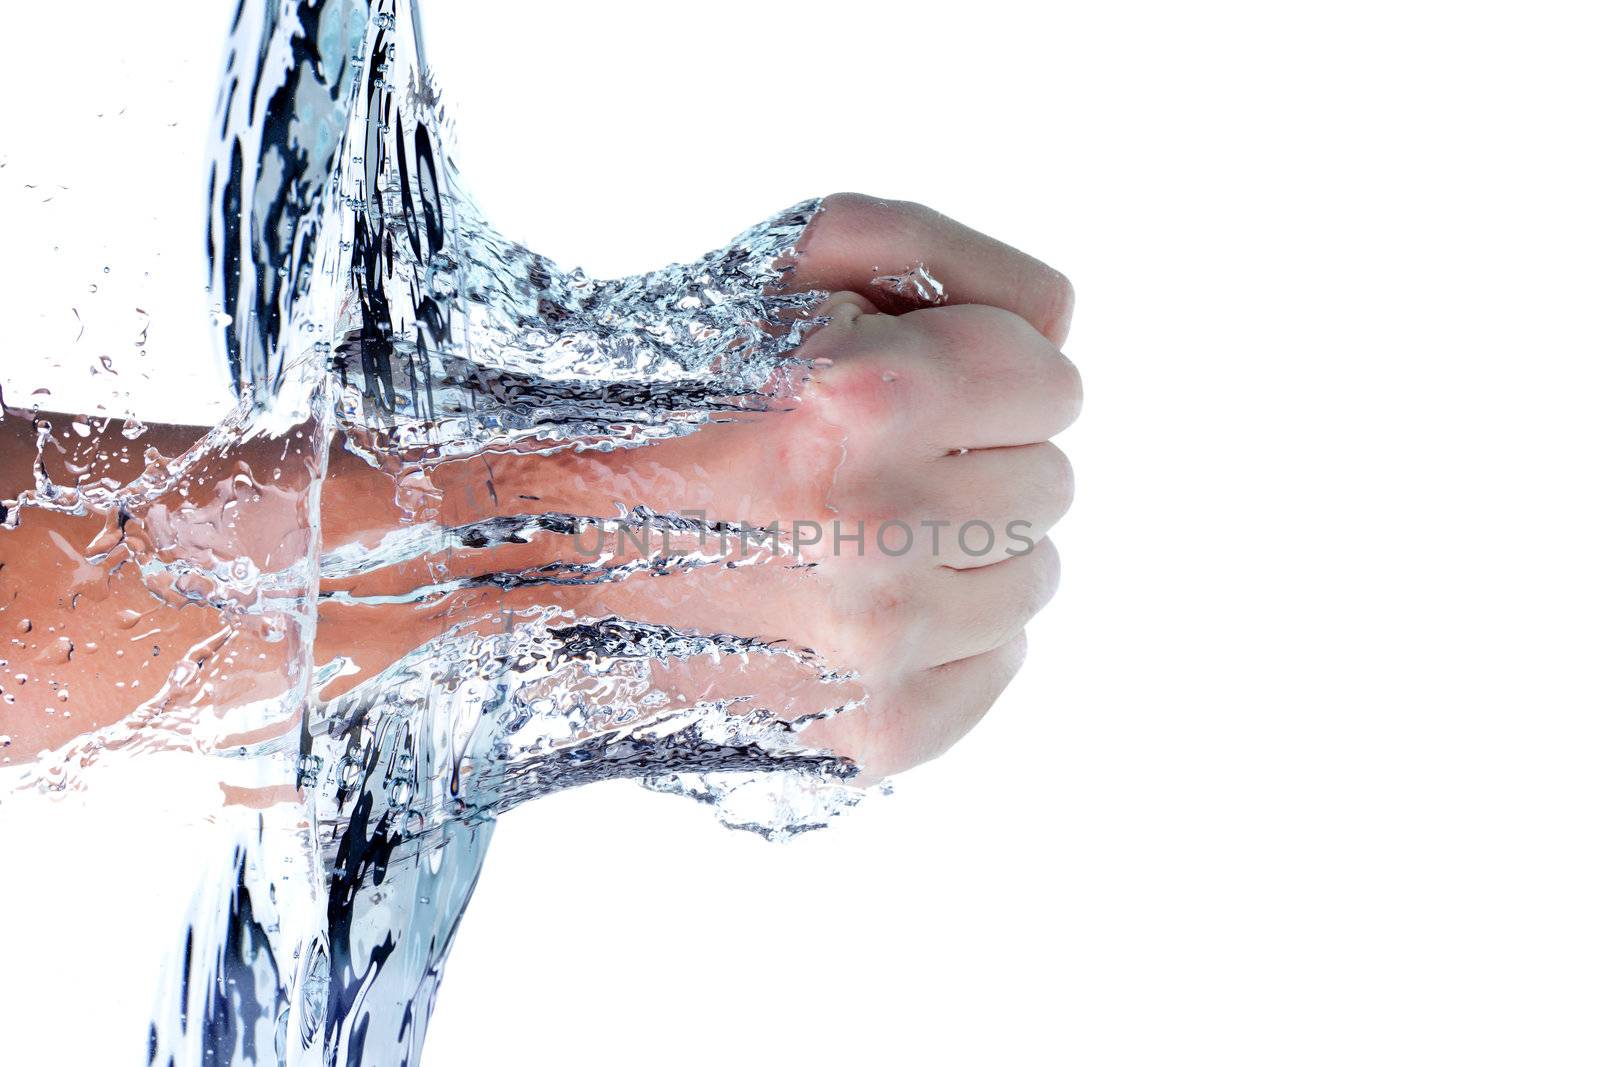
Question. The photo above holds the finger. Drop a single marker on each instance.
(960, 512)
(843, 307)
(944, 703)
(921, 715)
(999, 503)
(945, 379)
(857, 239)
(970, 612)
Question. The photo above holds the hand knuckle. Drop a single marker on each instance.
(876, 619)
(1060, 298)
(856, 395)
(1057, 483)
(1046, 577)
(878, 216)
(1065, 389)
(967, 328)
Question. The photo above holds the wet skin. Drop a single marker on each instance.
(932, 418)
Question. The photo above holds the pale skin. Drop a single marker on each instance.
(933, 418)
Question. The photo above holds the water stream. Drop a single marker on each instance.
(334, 798)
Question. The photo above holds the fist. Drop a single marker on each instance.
(909, 487)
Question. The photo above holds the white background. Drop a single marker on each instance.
(1302, 769)
(1303, 766)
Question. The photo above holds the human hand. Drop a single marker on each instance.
(921, 437)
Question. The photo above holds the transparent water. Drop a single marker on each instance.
(301, 662)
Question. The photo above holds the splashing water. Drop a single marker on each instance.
(380, 332)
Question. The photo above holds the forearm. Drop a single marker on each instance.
(120, 593)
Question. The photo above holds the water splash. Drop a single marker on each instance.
(370, 315)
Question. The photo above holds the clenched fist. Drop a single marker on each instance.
(912, 483)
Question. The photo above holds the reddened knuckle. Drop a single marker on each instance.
(857, 395)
